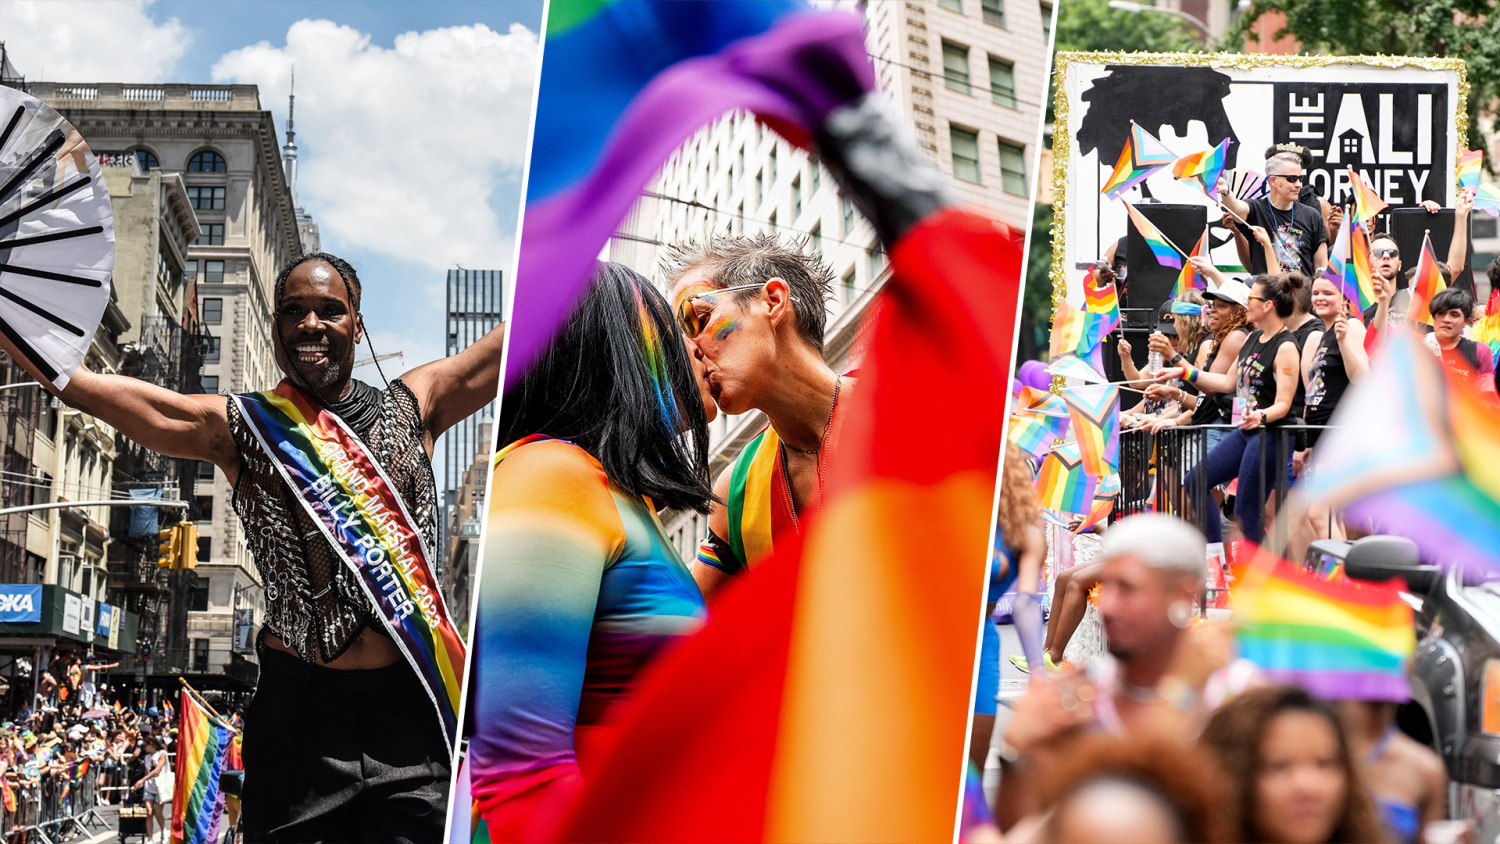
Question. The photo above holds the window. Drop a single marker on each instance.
(956, 68)
(877, 265)
(210, 383)
(146, 160)
(205, 547)
(205, 470)
(773, 165)
(190, 271)
(760, 189)
(213, 311)
(206, 199)
(817, 237)
(817, 176)
(203, 508)
(200, 646)
(796, 197)
(1002, 82)
(1482, 228)
(850, 291)
(993, 11)
(742, 160)
(1013, 168)
(740, 219)
(772, 222)
(213, 235)
(213, 272)
(207, 161)
(848, 208)
(1047, 23)
(965, 154)
(955, 5)
(211, 350)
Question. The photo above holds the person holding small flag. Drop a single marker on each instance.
(1299, 232)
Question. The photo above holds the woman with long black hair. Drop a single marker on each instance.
(581, 586)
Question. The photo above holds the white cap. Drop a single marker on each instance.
(1233, 290)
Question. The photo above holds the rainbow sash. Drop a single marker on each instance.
(365, 521)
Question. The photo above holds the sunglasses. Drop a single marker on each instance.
(1385, 252)
(1258, 298)
(688, 317)
(1290, 179)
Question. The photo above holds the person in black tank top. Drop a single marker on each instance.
(1263, 380)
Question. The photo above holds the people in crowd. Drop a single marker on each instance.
(1407, 778)
(1471, 361)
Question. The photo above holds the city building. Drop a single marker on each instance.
(962, 73)
(466, 518)
(214, 148)
(476, 304)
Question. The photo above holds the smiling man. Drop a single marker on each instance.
(349, 734)
(756, 308)
(1297, 231)
(1468, 359)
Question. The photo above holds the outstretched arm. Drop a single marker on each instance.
(453, 389)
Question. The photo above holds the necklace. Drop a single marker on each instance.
(1139, 694)
(786, 475)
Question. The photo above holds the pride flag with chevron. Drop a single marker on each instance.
(1142, 156)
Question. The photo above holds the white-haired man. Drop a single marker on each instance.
(1298, 232)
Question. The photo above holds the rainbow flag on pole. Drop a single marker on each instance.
(1143, 155)
(1487, 330)
(1337, 639)
(1102, 299)
(1204, 168)
(1487, 199)
(1063, 484)
(1470, 162)
(1367, 203)
(1035, 434)
(1425, 284)
(1415, 451)
(203, 745)
(1167, 254)
(1189, 278)
(1349, 265)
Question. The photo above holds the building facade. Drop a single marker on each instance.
(957, 71)
(215, 149)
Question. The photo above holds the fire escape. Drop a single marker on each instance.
(19, 410)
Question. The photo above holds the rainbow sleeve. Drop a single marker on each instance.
(553, 529)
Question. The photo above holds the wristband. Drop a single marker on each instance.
(1189, 373)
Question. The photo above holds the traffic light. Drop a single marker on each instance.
(170, 549)
(187, 549)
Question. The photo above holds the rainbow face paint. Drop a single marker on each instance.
(723, 326)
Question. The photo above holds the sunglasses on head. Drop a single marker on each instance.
(1385, 252)
(687, 315)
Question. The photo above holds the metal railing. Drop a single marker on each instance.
(53, 809)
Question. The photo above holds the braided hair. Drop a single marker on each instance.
(352, 286)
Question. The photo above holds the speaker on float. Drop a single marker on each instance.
(1148, 283)
(1407, 226)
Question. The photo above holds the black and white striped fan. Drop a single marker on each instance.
(57, 237)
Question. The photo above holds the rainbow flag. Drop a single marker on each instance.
(1167, 254)
(1071, 365)
(1470, 162)
(1095, 411)
(1425, 284)
(1340, 639)
(1143, 155)
(1042, 402)
(1349, 265)
(626, 84)
(1102, 299)
(831, 737)
(202, 745)
(1415, 450)
(1078, 332)
(1036, 434)
(1103, 502)
(1204, 168)
(1062, 483)
(1367, 203)
(1189, 278)
(1487, 330)
(1487, 199)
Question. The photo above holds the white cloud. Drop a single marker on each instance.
(62, 41)
(402, 148)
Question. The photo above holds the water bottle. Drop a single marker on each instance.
(1153, 363)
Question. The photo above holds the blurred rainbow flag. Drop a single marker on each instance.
(1337, 639)
(1204, 168)
(826, 736)
(1415, 450)
(1189, 277)
(1167, 254)
(625, 84)
(1102, 299)
(1470, 162)
(1425, 284)
(1487, 199)
(1349, 264)
(1367, 203)
(1095, 411)
(1143, 155)
(1487, 330)
(203, 743)
(1035, 434)
(1033, 400)
(1062, 483)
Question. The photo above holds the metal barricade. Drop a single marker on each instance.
(56, 809)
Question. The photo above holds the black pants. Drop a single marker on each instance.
(331, 755)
